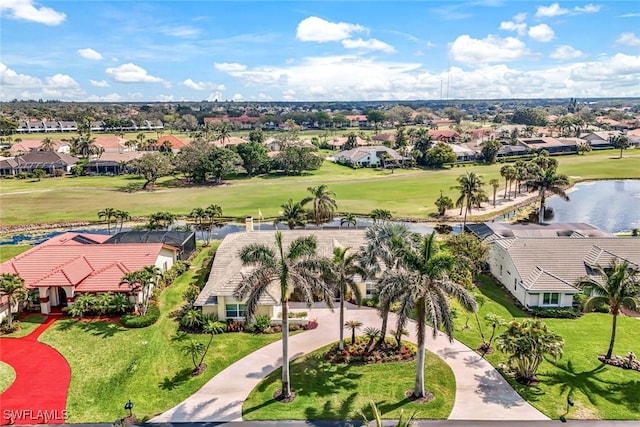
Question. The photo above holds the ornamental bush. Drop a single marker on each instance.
(142, 321)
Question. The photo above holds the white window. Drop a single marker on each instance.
(235, 310)
(371, 290)
(550, 298)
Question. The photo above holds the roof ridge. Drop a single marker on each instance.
(59, 269)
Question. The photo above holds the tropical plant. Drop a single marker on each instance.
(547, 180)
(617, 285)
(507, 172)
(398, 334)
(471, 192)
(293, 214)
(48, 144)
(470, 252)
(372, 333)
(584, 147)
(212, 213)
(121, 216)
(223, 133)
(196, 350)
(424, 288)
(495, 321)
(494, 183)
(349, 219)
(295, 268)
(142, 282)
(443, 203)
(403, 421)
(211, 327)
(380, 215)
(527, 342)
(323, 203)
(353, 325)
(13, 287)
(340, 273)
(160, 220)
(619, 141)
(108, 214)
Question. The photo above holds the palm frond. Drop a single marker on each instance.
(257, 253)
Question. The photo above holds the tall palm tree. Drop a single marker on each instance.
(507, 172)
(618, 285)
(494, 183)
(340, 272)
(547, 180)
(424, 284)
(142, 282)
(349, 219)
(84, 146)
(108, 214)
(295, 268)
(12, 286)
(324, 203)
(223, 133)
(471, 192)
(213, 213)
(198, 215)
(293, 214)
(121, 216)
(379, 254)
(48, 144)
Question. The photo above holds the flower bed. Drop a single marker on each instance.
(361, 352)
(630, 361)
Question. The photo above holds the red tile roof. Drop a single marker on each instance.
(176, 143)
(62, 261)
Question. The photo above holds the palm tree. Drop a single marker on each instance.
(194, 349)
(211, 327)
(425, 288)
(527, 343)
(353, 325)
(380, 215)
(547, 180)
(142, 282)
(619, 141)
(108, 214)
(198, 215)
(380, 254)
(507, 172)
(83, 146)
(48, 144)
(12, 286)
(223, 133)
(293, 214)
(618, 285)
(471, 192)
(340, 272)
(349, 219)
(324, 203)
(293, 269)
(121, 216)
(443, 203)
(212, 215)
(495, 184)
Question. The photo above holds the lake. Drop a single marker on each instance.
(611, 205)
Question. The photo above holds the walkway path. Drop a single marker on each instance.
(481, 393)
(39, 393)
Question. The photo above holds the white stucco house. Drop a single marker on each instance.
(370, 156)
(227, 270)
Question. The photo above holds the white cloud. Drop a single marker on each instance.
(22, 86)
(314, 29)
(590, 8)
(131, 73)
(10, 78)
(215, 96)
(628, 39)
(629, 15)
(229, 67)
(99, 83)
(370, 44)
(180, 31)
(237, 97)
(551, 11)
(89, 53)
(516, 24)
(541, 33)
(61, 81)
(491, 49)
(26, 10)
(112, 97)
(202, 85)
(566, 52)
(164, 98)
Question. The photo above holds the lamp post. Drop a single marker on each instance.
(129, 407)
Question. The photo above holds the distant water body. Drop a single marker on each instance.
(611, 205)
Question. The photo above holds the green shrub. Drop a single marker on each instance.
(261, 324)
(556, 313)
(141, 321)
(602, 308)
(580, 300)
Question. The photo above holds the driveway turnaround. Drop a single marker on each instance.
(39, 393)
(481, 392)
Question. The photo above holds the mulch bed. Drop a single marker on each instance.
(428, 396)
(277, 395)
(363, 353)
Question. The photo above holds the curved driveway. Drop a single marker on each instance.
(39, 393)
(481, 392)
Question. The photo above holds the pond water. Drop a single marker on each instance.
(611, 205)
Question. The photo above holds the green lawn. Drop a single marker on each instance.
(27, 325)
(407, 193)
(326, 391)
(600, 391)
(111, 364)
(9, 251)
(7, 376)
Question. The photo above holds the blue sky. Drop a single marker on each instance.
(317, 50)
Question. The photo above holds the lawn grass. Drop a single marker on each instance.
(407, 193)
(27, 324)
(7, 376)
(9, 251)
(326, 391)
(111, 364)
(599, 391)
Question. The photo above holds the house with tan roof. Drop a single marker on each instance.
(28, 145)
(370, 156)
(73, 263)
(112, 163)
(112, 143)
(227, 270)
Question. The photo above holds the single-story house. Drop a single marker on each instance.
(357, 120)
(463, 153)
(113, 144)
(338, 143)
(540, 266)
(370, 156)
(552, 145)
(111, 163)
(227, 270)
(183, 241)
(444, 135)
(28, 145)
(73, 263)
(49, 161)
(600, 139)
(172, 141)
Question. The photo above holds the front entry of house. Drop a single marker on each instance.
(62, 297)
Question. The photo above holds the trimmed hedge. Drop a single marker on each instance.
(556, 313)
(141, 321)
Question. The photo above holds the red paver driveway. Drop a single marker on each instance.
(39, 393)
